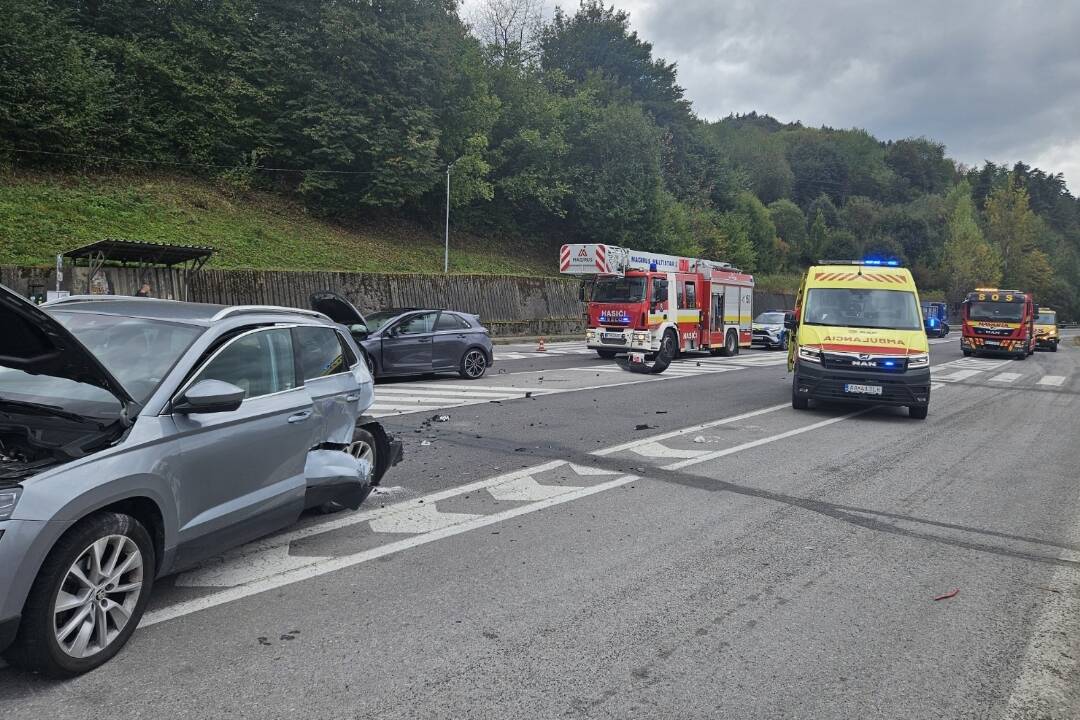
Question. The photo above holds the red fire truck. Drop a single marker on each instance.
(998, 321)
(654, 306)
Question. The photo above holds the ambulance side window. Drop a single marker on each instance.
(689, 295)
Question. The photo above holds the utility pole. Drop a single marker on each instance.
(446, 248)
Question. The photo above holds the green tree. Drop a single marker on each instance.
(1011, 227)
(969, 261)
(790, 226)
(817, 240)
(761, 233)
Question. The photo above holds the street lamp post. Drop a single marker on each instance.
(446, 247)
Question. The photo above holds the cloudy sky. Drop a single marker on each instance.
(992, 79)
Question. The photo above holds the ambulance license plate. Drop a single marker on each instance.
(863, 389)
(637, 357)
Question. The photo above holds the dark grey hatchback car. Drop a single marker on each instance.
(413, 341)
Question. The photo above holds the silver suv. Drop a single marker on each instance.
(138, 437)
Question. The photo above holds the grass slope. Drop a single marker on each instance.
(42, 215)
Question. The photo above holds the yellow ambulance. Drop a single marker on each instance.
(857, 336)
(1046, 330)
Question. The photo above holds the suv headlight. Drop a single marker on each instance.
(919, 360)
(9, 497)
(809, 354)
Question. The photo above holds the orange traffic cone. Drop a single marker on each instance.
(540, 346)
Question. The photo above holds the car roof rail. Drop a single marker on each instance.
(260, 309)
(95, 298)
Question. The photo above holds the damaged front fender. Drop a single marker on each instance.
(335, 475)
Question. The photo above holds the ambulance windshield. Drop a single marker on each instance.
(619, 290)
(880, 309)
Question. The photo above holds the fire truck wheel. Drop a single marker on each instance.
(918, 411)
(967, 353)
(731, 344)
(1053, 347)
(606, 354)
(668, 349)
(1023, 355)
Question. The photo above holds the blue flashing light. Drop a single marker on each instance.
(933, 322)
(652, 266)
(888, 363)
(871, 262)
(877, 262)
(892, 263)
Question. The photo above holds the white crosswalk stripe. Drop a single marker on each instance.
(1006, 377)
(1052, 380)
(401, 398)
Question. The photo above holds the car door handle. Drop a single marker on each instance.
(300, 416)
(352, 397)
(423, 340)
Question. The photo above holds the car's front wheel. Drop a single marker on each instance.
(473, 364)
(88, 597)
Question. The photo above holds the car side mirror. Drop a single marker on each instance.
(790, 321)
(359, 330)
(210, 396)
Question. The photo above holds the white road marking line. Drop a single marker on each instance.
(1005, 377)
(1052, 380)
(656, 450)
(526, 489)
(418, 520)
(686, 431)
(957, 376)
(762, 441)
(323, 567)
(256, 565)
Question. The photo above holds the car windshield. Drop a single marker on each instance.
(378, 320)
(1003, 311)
(137, 351)
(1047, 318)
(842, 307)
(619, 290)
(770, 318)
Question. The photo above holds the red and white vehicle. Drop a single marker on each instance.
(649, 305)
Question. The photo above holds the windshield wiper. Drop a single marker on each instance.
(43, 409)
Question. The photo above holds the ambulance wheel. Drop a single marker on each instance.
(731, 344)
(606, 354)
(797, 401)
(918, 411)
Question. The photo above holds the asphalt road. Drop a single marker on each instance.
(578, 541)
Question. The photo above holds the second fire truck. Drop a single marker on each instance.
(653, 306)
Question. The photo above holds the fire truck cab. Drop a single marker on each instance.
(1000, 322)
(653, 306)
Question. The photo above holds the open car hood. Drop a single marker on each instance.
(337, 308)
(33, 341)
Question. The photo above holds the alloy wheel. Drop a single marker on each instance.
(475, 363)
(97, 596)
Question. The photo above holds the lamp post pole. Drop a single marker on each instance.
(446, 246)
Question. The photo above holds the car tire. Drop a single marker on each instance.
(1053, 347)
(363, 445)
(474, 364)
(918, 412)
(669, 350)
(731, 344)
(797, 401)
(967, 353)
(606, 354)
(783, 343)
(41, 646)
